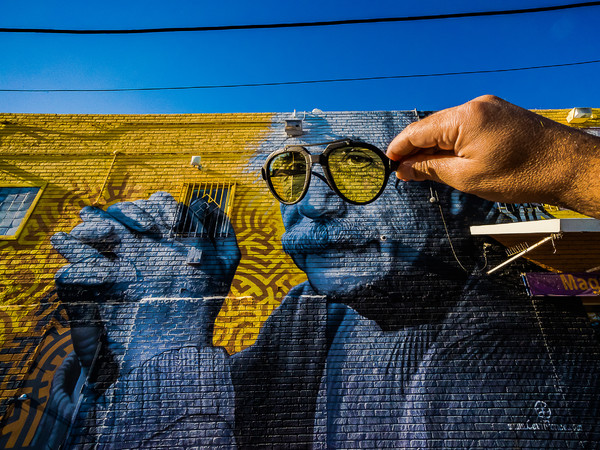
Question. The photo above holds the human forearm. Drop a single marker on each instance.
(582, 183)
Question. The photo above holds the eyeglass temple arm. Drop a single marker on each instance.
(394, 165)
(317, 159)
(315, 144)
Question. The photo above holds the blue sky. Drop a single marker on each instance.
(42, 61)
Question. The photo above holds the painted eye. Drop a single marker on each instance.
(358, 158)
(358, 173)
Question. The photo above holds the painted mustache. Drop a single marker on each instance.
(317, 237)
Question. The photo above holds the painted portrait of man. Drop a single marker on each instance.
(397, 339)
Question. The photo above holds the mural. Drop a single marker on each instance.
(392, 338)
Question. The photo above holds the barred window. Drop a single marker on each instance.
(16, 205)
(215, 210)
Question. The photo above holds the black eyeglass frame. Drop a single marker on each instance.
(323, 160)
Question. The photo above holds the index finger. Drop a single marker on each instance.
(438, 131)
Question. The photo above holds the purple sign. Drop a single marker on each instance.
(563, 284)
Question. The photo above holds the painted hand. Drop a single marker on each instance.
(131, 252)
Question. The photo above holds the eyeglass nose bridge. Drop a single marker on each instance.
(317, 159)
(322, 161)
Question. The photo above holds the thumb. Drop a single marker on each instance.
(440, 167)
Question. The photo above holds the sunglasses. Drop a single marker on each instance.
(356, 171)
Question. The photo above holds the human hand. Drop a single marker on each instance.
(127, 253)
(501, 152)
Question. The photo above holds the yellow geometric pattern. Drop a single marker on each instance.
(22, 418)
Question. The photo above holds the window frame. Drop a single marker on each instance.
(42, 187)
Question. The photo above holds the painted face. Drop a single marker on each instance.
(344, 248)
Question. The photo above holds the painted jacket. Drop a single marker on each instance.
(322, 376)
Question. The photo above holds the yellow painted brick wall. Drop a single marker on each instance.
(73, 154)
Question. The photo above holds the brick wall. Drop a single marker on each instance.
(121, 329)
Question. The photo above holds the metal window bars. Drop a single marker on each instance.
(204, 209)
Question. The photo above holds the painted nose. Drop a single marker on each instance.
(321, 201)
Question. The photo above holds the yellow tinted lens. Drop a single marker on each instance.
(358, 173)
(288, 172)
